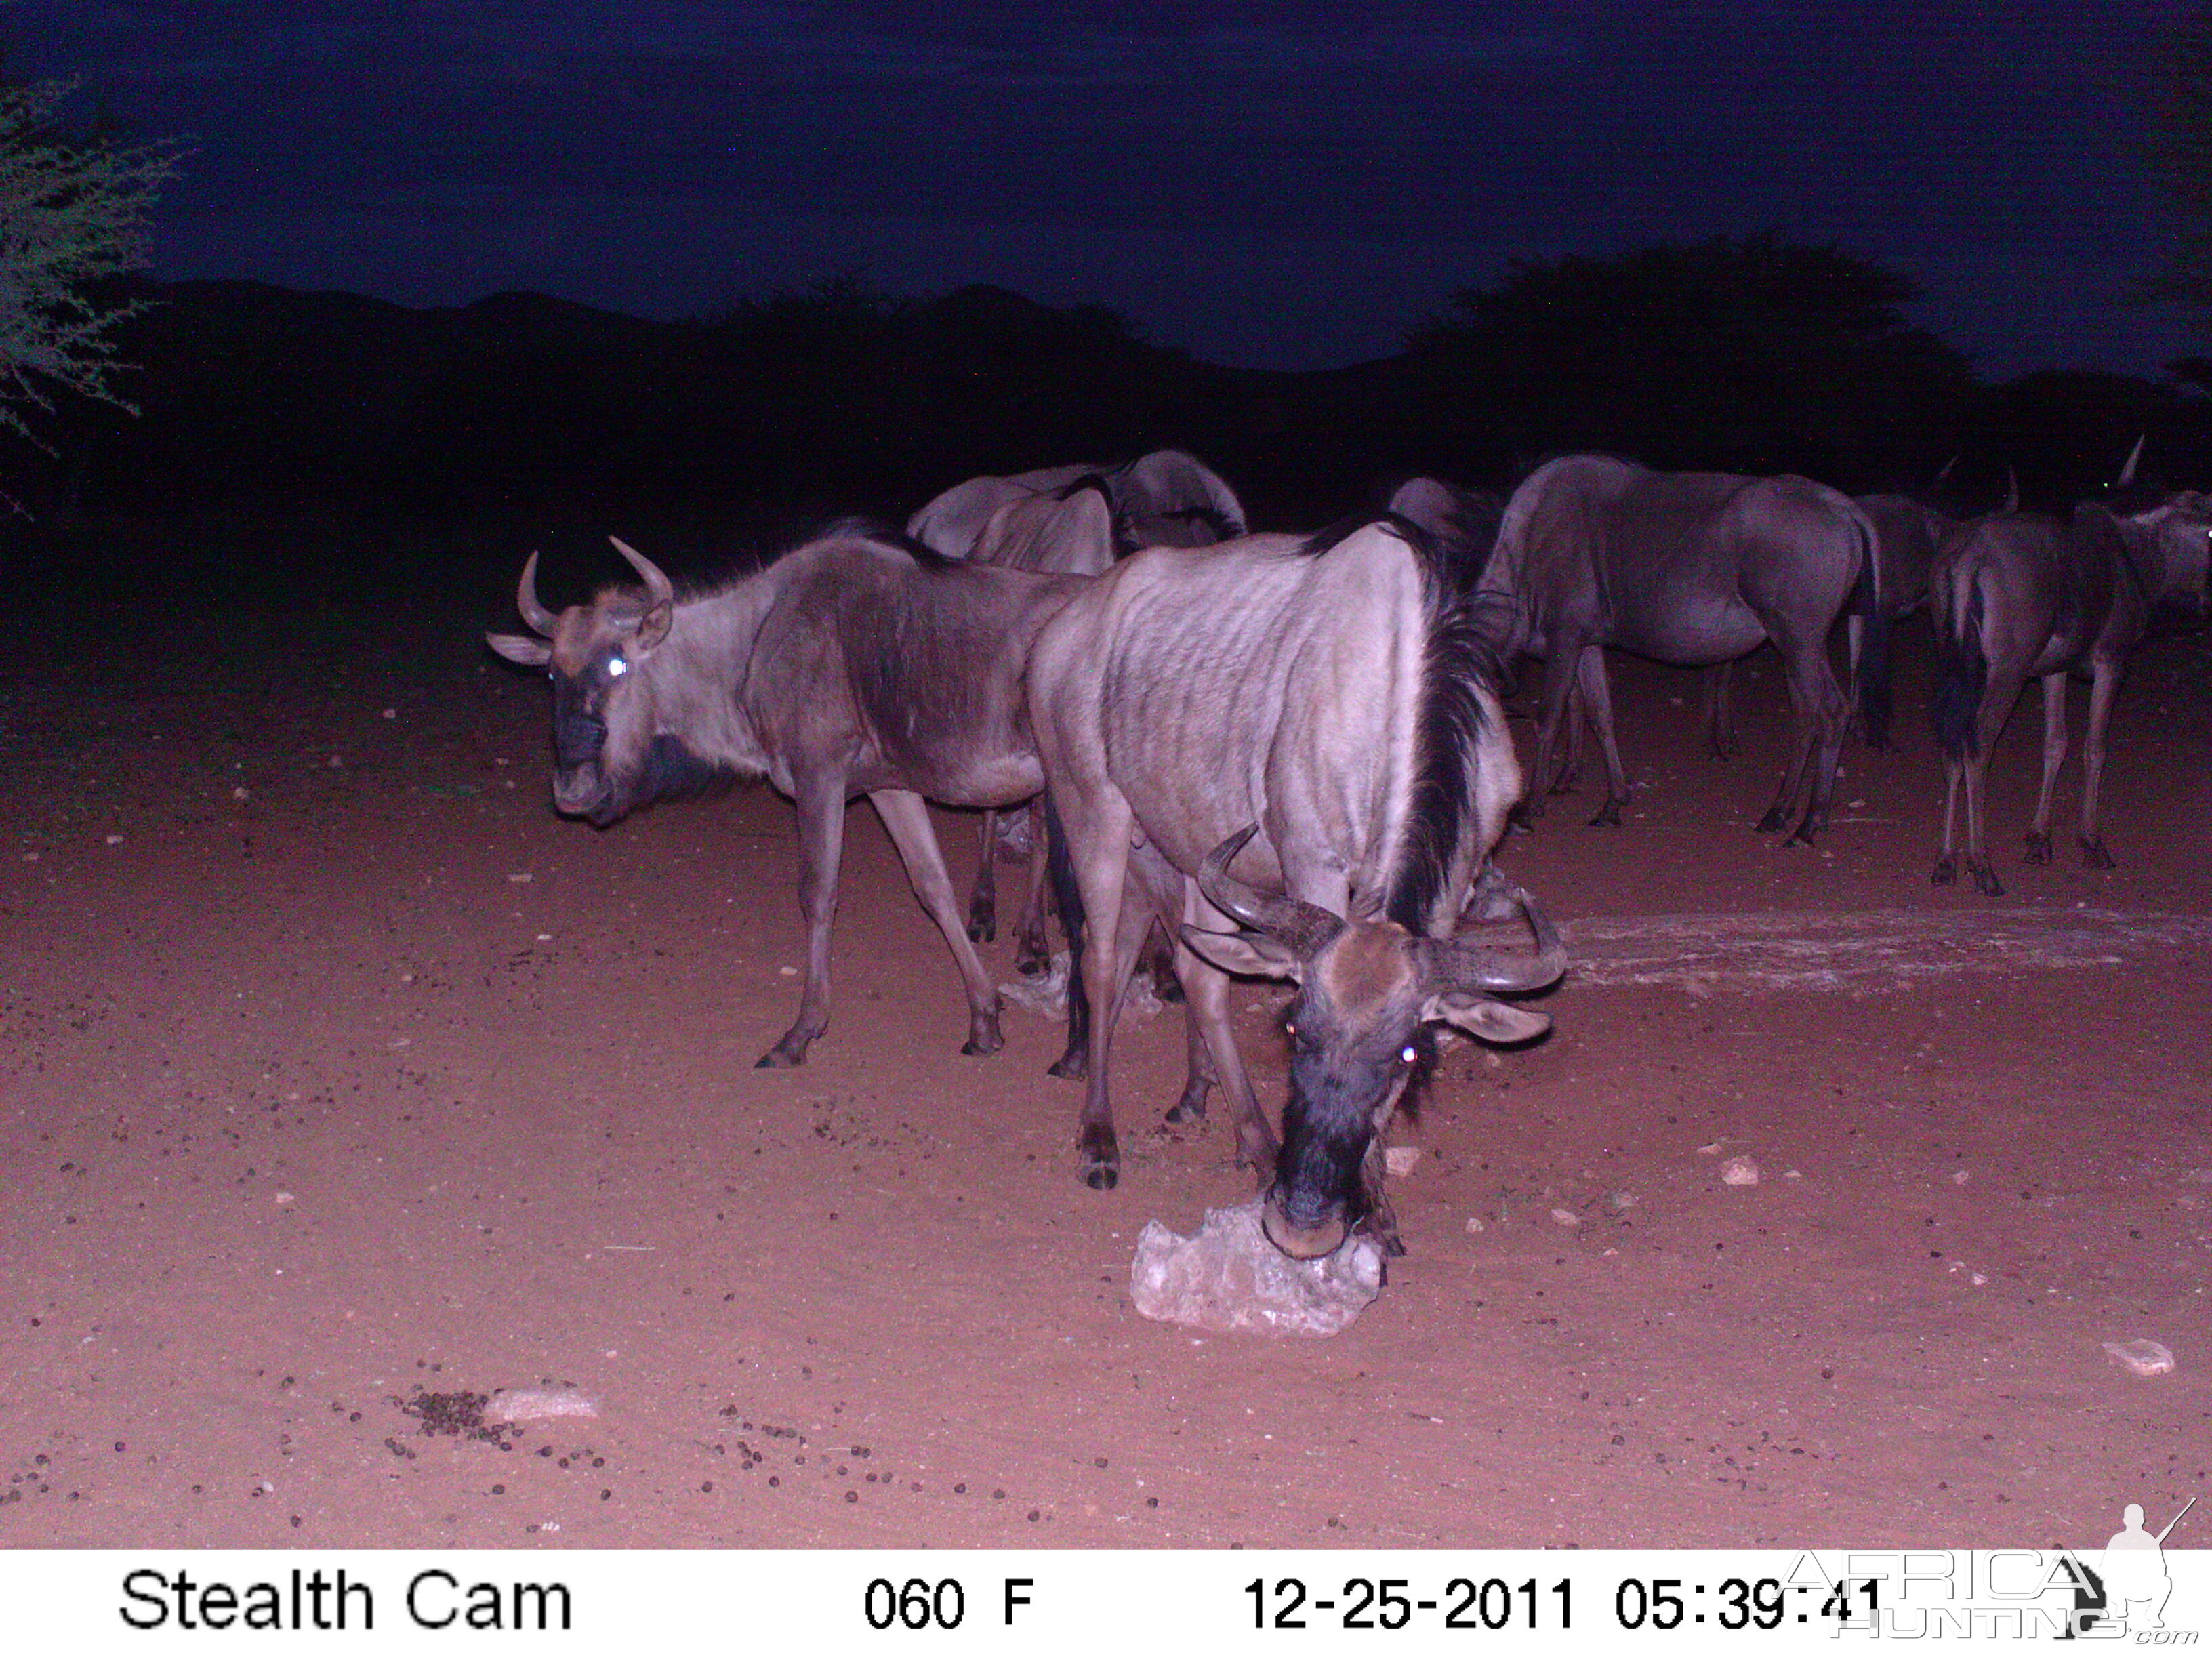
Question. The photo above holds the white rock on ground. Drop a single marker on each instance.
(1227, 1277)
(2142, 1356)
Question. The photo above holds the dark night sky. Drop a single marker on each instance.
(1279, 187)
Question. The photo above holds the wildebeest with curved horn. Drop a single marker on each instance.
(1692, 568)
(1167, 498)
(2022, 594)
(1321, 715)
(849, 666)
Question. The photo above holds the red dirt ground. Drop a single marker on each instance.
(333, 1067)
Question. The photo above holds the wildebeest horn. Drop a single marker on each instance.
(525, 600)
(1944, 472)
(1470, 966)
(657, 584)
(2012, 489)
(1304, 927)
(2128, 472)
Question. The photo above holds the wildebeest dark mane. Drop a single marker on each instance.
(1462, 660)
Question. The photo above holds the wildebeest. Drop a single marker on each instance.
(1080, 529)
(1163, 499)
(1692, 568)
(1321, 712)
(2017, 594)
(849, 666)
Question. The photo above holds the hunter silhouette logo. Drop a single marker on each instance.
(2137, 1584)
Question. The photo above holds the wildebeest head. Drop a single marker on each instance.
(608, 757)
(2182, 528)
(1366, 990)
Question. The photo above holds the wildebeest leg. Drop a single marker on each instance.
(1978, 851)
(1032, 945)
(907, 818)
(2054, 753)
(821, 803)
(2104, 685)
(1558, 681)
(1156, 962)
(1205, 989)
(1597, 706)
(1098, 824)
(983, 897)
(1817, 715)
(1571, 739)
(1946, 861)
(1717, 710)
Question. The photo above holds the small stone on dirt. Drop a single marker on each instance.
(2142, 1356)
(1739, 1172)
(1227, 1277)
(1400, 1160)
(1566, 1217)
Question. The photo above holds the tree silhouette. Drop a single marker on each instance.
(1750, 355)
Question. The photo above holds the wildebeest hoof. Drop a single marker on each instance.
(1985, 878)
(1946, 871)
(1775, 819)
(1075, 1063)
(2038, 849)
(984, 1038)
(1525, 813)
(784, 1054)
(1101, 1167)
(2094, 855)
(981, 930)
(1191, 1108)
(1608, 817)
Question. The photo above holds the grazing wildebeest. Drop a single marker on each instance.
(2017, 594)
(1324, 709)
(849, 666)
(1164, 499)
(1692, 568)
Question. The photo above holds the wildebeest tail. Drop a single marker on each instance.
(1874, 675)
(1962, 674)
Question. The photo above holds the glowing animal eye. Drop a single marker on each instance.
(1408, 1054)
(617, 668)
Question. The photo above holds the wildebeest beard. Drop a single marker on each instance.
(669, 770)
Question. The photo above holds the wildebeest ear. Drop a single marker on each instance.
(1479, 1016)
(521, 647)
(1254, 954)
(653, 627)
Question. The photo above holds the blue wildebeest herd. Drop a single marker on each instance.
(1285, 757)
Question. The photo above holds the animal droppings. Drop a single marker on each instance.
(529, 1405)
(1400, 1160)
(1227, 1277)
(2142, 1356)
(1739, 1172)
